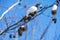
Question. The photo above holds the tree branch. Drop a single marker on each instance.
(41, 11)
(45, 30)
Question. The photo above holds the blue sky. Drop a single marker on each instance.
(39, 23)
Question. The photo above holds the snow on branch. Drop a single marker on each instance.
(9, 28)
(8, 10)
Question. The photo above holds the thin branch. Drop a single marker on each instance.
(26, 35)
(41, 11)
(55, 37)
(26, 32)
(8, 10)
(45, 30)
(6, 21)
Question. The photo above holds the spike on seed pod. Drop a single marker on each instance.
(54, 19)
(32, 14)
(26, 19)
(14, 36)
(10, 35)
(37, 5)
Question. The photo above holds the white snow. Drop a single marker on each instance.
(8, 10)
(31, 10)
(54, 7)
(22, 26)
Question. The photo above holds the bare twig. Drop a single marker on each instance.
(26, 32)
(45, 30)
(41, 11)
(6, 21)
(8, 10)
